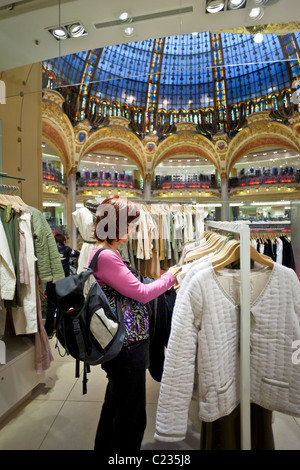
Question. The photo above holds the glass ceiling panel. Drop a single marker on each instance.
(250, 68)
(68, 68)
(185, 79)
(186, 75)
(122, 73)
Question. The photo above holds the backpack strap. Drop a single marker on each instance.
(94, 260)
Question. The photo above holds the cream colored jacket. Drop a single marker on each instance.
(203, 349)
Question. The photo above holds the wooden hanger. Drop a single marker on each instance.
(214, 242)
(233, 254)
(15, 201)
(229, 253)
(260, 258)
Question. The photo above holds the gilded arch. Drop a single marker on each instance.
(57, 129)
(186, 143)
(116, 138)
(261, 134)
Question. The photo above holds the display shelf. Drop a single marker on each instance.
(18, 375)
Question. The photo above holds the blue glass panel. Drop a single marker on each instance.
(252, 69)
(68, 68)
(297, 36)
(122, 73)
(186, 76)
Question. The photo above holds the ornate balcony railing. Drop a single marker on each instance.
(105, 180)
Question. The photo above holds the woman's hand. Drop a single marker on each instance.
(175, 270)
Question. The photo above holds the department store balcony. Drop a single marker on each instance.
(282, 178)
(86, 181)
(54, 180)
(176, 182)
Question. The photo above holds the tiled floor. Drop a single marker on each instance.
(58, 417)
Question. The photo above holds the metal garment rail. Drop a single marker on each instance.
(243, 230)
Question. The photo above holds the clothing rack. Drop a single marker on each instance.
(9, 190)
(243, 230)
(162, 202)
(270, 227)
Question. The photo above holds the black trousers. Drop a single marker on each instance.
(123, 417)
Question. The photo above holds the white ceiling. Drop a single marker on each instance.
(24, 36)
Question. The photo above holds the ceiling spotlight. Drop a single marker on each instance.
(256, 13)
(59, 33)
(258, 38)
(128, 31)
(214, 6)
(66, 31)
(260, 2)
(76, 30)
(234, 4)
(125, 17)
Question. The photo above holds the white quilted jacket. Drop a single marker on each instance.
(203, 349)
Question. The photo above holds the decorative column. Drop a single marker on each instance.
(71, 207)
(225, 215)
(147, 187)
(150, 148)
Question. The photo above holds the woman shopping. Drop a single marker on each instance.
(123, 417)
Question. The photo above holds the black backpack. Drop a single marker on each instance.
(87, 327)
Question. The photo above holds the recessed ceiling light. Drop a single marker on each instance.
(256, 13)
(59, 33)
(124, 17)
(214, 6)
(128, 31)
(66, 31)
(76, 30)
(234, 4)
(258, 38)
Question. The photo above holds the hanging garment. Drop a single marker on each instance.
(48, 259)
(279, 250)
(160, 327)
(225, 432)
(24, 269)
(287, 254)
(143, 246)
(25, 318)
(10, 225)
(205, 338)
(7, 272)
(43, 354)
(84, 221)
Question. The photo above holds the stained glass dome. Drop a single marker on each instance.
(187, 72)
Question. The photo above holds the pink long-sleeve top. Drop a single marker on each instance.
(111, 270)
